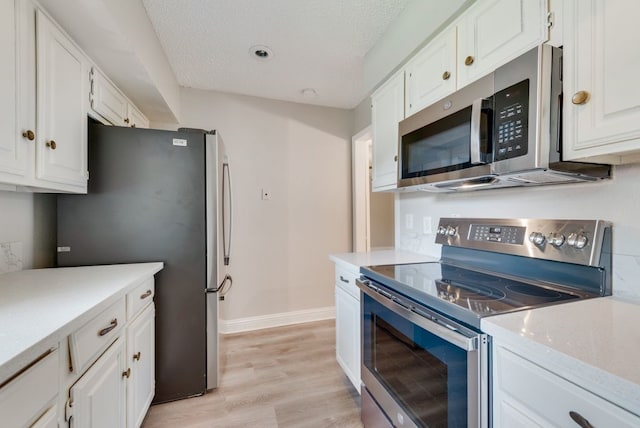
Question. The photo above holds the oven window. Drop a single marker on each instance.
(439, 147)
(425, 374)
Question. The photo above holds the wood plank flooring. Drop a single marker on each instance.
(285, 377)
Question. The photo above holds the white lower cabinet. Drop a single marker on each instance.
(98, 398)
(527, 395)
(348, 324)
(140, 358)
(29, 398)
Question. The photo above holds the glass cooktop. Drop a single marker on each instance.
(465, 294)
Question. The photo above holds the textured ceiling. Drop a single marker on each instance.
(317, 44)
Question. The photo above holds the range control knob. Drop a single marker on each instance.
(442, 230)
(451, 231)
(556, 239)
(537, 238)
(577, 240)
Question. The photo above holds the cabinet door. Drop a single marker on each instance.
(431, 74)
(48, 420)
(136, 118)
(387, 105)
(140, 357)
(106, 99)
(601, 61)
(62, 77)
(98, 397)
(493, 32)
(348, 335)
(12, 150)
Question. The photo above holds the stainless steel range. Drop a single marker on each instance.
(425, 360)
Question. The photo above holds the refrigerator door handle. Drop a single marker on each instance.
(226, 232)
(221, 288)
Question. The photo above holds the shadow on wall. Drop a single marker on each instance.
(45, 226)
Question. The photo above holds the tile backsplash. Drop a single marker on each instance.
(10, 256)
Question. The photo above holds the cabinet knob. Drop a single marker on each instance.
(136, 356)
(126, 120)
(446, 75)
(52, 144)
(469, 60)
(127, 373)
(29, 135)
(395, 158)
(580, 97)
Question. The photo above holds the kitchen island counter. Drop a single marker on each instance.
(40, 307)
(593, 343)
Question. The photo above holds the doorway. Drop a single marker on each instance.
(373, 212)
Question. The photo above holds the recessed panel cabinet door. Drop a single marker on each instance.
(387, 105)
(61, 113)
(496, 31)
(12, 151)
(141, 357)
(98, 397)
(601, 69)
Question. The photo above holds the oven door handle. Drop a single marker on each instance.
(452, 336)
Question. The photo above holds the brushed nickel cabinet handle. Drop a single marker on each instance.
(343, 279)
(136, 356)
(580, 97)
(469, 60)
(52, 144)
(580, 420)
(446, 75)
(127, 373)
(145, 294)
(112, 325)
(29, 135)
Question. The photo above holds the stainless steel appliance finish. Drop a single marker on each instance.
(449, 147)
(487, 267)
(159, 196)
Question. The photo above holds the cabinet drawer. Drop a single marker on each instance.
(27, 397)
(139, 298)
(96, 335)
(346, 279)
(525, 394)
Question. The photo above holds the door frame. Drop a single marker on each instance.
(361, 189)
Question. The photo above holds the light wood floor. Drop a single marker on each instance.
(284, 377)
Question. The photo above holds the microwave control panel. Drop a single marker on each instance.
(511, 121)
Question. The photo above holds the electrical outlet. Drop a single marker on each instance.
(266, 195)
(409, 221)
(426, 225)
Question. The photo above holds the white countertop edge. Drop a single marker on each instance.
(616, 390)
(353, 261)
(20, 360)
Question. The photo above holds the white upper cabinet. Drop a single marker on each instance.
(431, 74)
(12, 152)
(61, 143)
(387, 110)
(110, 105)
(601, 68)
(492, 32)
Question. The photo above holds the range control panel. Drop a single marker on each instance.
(572, 241)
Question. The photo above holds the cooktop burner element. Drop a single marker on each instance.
(492, 266)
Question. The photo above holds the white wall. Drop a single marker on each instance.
(31, 220)
(617, 200)
(302, 155)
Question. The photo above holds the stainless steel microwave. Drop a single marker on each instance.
(503, 130)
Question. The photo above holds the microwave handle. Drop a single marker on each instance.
(476, 120)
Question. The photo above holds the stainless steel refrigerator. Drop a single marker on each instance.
(160, 196)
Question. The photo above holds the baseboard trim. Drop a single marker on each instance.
(276, 320)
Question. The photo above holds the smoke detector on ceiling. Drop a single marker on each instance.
(261, 52)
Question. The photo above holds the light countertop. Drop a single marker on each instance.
(379, 257)
(594, 343)
(39, 307)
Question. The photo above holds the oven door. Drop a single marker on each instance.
(419, 371)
